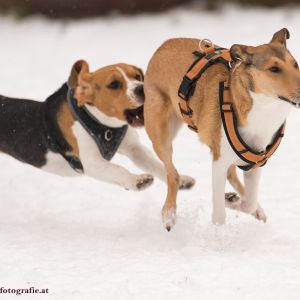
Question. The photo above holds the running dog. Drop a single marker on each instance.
(264, 84)
(81, 126)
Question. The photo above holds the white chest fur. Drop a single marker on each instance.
(104, 119)
(264, 119)
(88, 149)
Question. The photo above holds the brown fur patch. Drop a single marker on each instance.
(65, 121)
(93, 88)
(165, 72)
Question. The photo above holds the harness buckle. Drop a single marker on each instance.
(227, 107)
(187, 112)
(187, 88)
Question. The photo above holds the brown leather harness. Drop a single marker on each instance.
(209, 56)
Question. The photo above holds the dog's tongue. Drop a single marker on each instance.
(137, 121)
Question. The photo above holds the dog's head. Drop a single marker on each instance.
(269, 69)
(117, 90)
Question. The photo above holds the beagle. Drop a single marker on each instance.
(81, 126)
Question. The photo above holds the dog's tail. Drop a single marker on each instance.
(235, 181)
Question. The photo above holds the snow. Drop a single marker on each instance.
(84, 239)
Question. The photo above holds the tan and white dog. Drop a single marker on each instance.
(264, 83)
(46, 134)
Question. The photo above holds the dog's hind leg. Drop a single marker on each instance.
(234, 180)
(248, 202)
(162, 125)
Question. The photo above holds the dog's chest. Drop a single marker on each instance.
(263, 121)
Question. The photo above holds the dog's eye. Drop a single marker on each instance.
(138, 77)
(296, 65)
(275, 69)
(114, 85)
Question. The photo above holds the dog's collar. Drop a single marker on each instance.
(108, 139)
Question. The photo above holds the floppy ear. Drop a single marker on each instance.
(241, 53)
(80, 81)
(281, 36)
(141, 73)
(78, 67)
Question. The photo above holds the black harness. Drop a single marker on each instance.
(108, 139)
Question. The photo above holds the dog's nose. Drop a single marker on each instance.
(139, 91)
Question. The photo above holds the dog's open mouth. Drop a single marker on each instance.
(135, 117)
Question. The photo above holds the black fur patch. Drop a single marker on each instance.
(29, 129)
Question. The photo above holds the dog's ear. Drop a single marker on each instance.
(281, 36)
(78, 67)
(141, 73)
(240, 53)
(80, 80)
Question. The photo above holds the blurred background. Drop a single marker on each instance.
(88, 8)
(41, 39)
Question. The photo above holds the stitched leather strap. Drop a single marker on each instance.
(210, 56)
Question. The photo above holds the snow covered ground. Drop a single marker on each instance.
(84, 239)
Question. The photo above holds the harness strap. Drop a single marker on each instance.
(108, 139)
(210, 56)
(252, 158)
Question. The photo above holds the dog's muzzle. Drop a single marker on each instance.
(139, 93)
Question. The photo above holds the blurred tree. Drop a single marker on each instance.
(85, 8)
(89, 8)
(270, 3)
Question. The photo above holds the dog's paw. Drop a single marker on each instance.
(233, 201)
(186, 182)
(143, 181)
(219, 218)
(169, 218)
(232, 197)
(260, 215)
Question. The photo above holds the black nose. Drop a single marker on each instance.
(139, 92)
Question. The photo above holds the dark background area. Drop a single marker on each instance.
(89, 8)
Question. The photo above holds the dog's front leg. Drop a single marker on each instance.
(103, 170)
(144, 159)
(141, 155)
(219, 175)
(97, 167)
(249, 202)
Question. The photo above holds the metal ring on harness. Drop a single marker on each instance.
(205, 43)
(108, 135)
